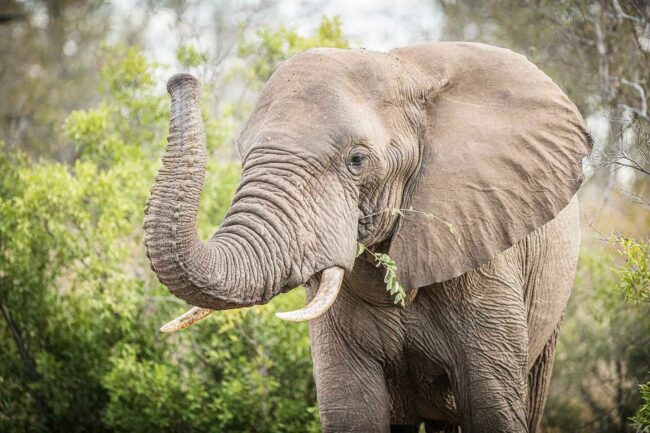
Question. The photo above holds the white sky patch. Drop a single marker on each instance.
(375, 25)
(598, 125)
(161, 38)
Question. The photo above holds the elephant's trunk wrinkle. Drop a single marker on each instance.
(274, 157)
(313, 171)
(286, 206)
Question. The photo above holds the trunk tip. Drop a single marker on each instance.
(183, 80)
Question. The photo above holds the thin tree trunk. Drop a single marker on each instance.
(30, 372)
(620, 397)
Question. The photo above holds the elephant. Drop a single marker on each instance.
(458, 161)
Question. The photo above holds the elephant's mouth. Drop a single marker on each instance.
(364, 228)
(328, 289)
(366, 223)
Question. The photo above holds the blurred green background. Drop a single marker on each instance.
(83, 122)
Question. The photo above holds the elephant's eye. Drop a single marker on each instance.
(357, 160)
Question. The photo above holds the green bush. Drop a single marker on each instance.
(603, 349)
(635, 283)
(642, 418)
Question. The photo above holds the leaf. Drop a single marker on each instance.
(360, 249)
(390, 277)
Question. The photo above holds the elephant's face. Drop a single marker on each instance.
(344, 117)
(477, 144)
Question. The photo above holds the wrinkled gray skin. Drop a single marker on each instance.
(322, 150)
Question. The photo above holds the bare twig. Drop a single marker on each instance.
(635, 198)
(634, 154)
(643, 111)
(620, 13)
(591, 225)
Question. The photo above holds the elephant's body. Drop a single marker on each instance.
(460, 160)
(491, 330)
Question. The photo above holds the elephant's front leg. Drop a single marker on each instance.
(488, 373)
(481, 335)
(351, 389)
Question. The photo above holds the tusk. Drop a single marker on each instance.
(330, 284)
(189, 318)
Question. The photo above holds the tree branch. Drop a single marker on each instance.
(31, 374)
(620, 13)
(643, 111)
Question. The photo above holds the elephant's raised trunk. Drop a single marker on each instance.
(192, 269)
(251, 257)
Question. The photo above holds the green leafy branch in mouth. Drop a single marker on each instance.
(450, 226)
(399, 211)
(390, 278)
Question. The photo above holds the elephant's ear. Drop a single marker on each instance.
(501, 150)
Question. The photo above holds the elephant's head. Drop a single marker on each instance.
(465, 134)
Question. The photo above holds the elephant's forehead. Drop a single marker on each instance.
(324, 73)
(313, 111)
(307, 93)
